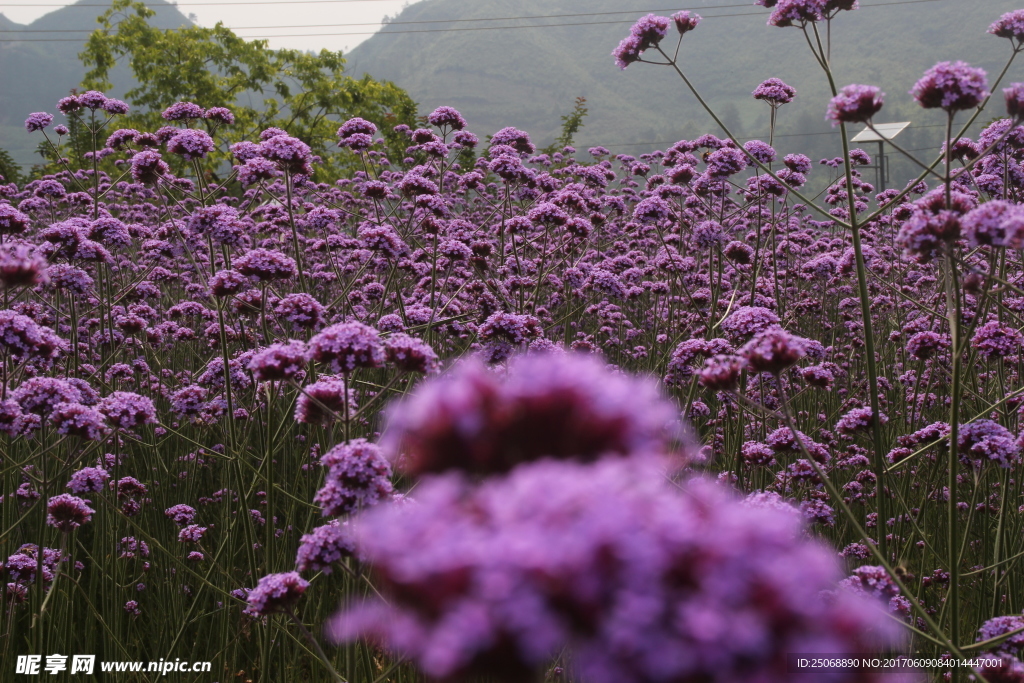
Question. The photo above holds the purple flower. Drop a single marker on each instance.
(924, 345)
(324, 547)
(858, 420)
(38, 121)
(92, 99)
(115, 107)
(347, 346)
(721, 372)
(1015, 100)
(181, 514)
(854, 104)
(127, 410)
(323, 402)
(782, 440)
(21, 266)
(652, 210)
(23, 338)
(999, 626)
(12, 221)
(993, 340)
(190, 401)
(548, 214)
(746, 321)
(550, 405)
(66, 512)
(220, 115)
(761, 151)
(121, 137)
(627, 52)
(148, 167)
(798, 163)
(774, 92)
(383, 239)
(446, 116)
(685, 22)
(183, 111)
(227, 283)
(796, 12)
(257, 169)
(191, 533)
(995, 223)
(873, 582)
(357, 477)
(1010, 25)
(356, 126)
(410, 354)
(88, 480)
(650, 30)
(608, 562)
(932, 224)
(191, 144)
(265, 265)
(75, 419)
(300, 311)
(290, 154)
(245, 151)
(42, 395)
(725, 162)
(276, 593)
(515, 138)
(773, 350)
(510, 327)
(984, 441)
(69, 105)
(281, 361)
(953, 86)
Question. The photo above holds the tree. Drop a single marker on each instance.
(10, 172)
(304, 93)
(571, 124)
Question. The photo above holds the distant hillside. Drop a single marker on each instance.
(36, 74)
(528, 77)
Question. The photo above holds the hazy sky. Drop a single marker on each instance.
(269, 18)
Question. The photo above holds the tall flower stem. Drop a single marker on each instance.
(953, 315)
(865, 300)
(837, 496)
(316, 646)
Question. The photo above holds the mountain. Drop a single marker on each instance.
(529, 77)
(512, 75)
(41, 65)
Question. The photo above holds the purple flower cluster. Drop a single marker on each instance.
(984, 441)
(66, 513)
(324, 547)
(774, 92)
(608, 561)
(550, 405)
(276, 593)
(953, 86)
(855, 104)
(357, 477)
(347, 346)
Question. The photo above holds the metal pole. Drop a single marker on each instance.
(880, 167)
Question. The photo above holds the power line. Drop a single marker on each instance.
(197, 4)
(785, 135)
(449, 30)
(370, 33)
(420, 21)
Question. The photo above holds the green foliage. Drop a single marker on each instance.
(571, 124)
(10, 171)
(303, 93)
